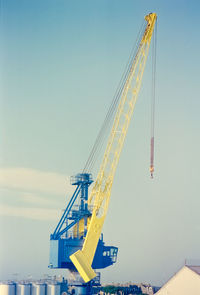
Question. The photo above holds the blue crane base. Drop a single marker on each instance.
(62, 249)
(68, 236)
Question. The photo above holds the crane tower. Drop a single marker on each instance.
(77, 242)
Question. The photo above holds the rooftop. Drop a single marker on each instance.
(195, 268)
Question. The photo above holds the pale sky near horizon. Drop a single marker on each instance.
(61, 62)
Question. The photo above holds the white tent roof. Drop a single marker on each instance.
(195, 268)
(185, 282)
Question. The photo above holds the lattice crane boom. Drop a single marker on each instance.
(100, 194)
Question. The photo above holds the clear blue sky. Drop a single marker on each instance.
(61, 62)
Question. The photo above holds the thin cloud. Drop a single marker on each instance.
(33, 194)
(41, 200)
(31, 213)
(30, 180)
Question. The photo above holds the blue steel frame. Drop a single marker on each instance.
(82, 180)
(62, 244)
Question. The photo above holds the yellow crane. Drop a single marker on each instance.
(101, 191)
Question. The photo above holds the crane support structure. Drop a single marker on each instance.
(100, 194)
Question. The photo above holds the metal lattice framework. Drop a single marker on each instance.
(100, 194)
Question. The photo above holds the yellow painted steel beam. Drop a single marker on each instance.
(100, 194)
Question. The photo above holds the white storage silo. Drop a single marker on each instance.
(23, 289)
(38, 289)
(7, 288)
(53, 289)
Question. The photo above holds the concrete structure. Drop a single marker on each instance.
(53, 289)
(38, 289)
(23, 289)
(48, 287)
(185, 282)
(7, 288)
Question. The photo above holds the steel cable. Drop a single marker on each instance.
(112, 109)
(101, 136)
(153, 100)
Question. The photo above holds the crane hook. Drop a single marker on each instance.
(151, 170)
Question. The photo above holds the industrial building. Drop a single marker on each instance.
(185, 282)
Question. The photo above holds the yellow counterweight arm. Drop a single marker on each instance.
(100, 194)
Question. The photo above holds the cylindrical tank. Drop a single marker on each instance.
(7, 288)
(23, 289)
(38, 289)
(82, 290)
(53, 289)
